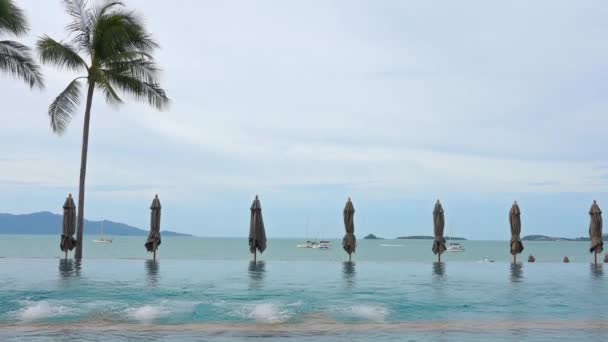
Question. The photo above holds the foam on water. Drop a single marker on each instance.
(34, 311)
(146, 313)
(265, 313)
(374, 313)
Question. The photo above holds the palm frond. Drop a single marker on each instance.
(17, 61)
(64, 107)
(144, 69)
(81, 24)
(12, 18)
(121, 31)
(104, 85)
(140, 90)
(60, 54)
(106, 7)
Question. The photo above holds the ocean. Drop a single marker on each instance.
(208, 290)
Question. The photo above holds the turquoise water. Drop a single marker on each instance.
(33, 246)
(208, 290)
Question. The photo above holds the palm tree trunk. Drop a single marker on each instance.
(83, 170)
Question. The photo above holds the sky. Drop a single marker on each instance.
(393, 103)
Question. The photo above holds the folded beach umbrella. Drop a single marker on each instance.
(69, 226)
(257, 233)
(515, 220)
(153, 240)
(438, 224)
(595, 230)
(349, 242)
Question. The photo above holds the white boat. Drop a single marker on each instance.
(455, 247)
(322, 245)
(308, 244)
(102, 238)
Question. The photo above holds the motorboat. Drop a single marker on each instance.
(455, 247)
(322, 245)
(308, 244)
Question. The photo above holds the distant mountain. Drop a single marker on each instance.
(551, 238)
(372, 237)
(428, 237)
(46, 223)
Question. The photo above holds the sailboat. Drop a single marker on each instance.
(453, 246)
(102, 238)
(308, 243)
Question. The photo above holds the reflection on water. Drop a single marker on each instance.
(69, 268)
(517, 272)
(348, 273)
(439, 269)
(257, 271)
(597, 271)
(152, 271)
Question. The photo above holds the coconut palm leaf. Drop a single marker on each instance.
(141, 68)
(17, 61)
(16, 58)
(102, 9)
(120, 31)
(12, 19)
(104, 85)
(138, 89)
(60, 54)
(81, 24)
(64, 107)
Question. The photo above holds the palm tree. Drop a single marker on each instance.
(111, 46)
(15, 58)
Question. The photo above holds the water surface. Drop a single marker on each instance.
(203, 289)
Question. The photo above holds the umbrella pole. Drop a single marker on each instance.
(66, 255)
(255, 253)
(595, 257)
(514, 258)
(154, 250)
(349, 257)
(439, 257)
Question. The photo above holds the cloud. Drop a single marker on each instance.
(383, 99)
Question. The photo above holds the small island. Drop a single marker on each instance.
(551, 238)
(544, 238)
(428, 237)
(372, 237)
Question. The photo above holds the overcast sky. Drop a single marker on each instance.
(394, 103)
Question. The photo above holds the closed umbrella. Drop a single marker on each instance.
(69, 226)
(515, 221)
(438, 224)
(349, 242)
(153, 240)
(257, 232)
(595, 230)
